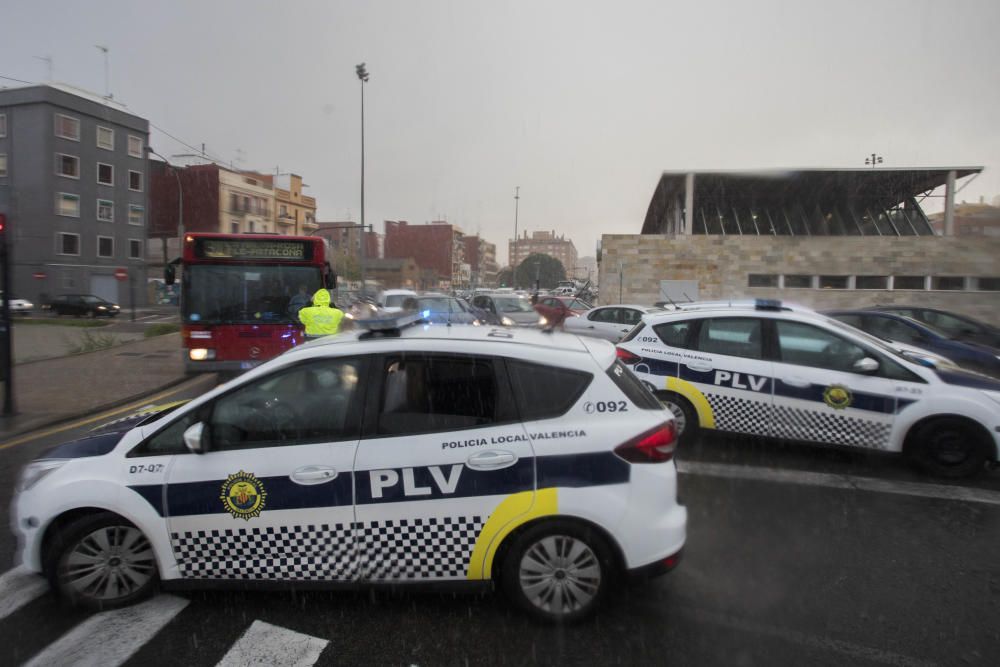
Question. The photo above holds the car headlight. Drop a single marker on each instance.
(542, 321)
(102, 308)
(201, 354)
(36, 470)
(507, 322)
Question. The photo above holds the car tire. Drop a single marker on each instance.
(686, 421)
(101, 561)
(538, 576)
(949, 447)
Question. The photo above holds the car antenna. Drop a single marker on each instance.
(690, 300)
(671, 301)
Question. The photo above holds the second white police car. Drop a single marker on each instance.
(764, 368)
(424, 454)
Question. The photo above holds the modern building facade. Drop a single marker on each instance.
(543, 243)
(823, 238)
(74, 186)
(481, 256)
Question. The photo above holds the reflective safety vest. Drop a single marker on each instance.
(320, 319)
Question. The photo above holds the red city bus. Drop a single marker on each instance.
(240, 295)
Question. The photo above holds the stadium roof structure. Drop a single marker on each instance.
(798, 202)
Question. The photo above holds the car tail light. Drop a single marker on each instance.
(627, 357)
(652, 446)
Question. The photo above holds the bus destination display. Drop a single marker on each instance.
(292, 251)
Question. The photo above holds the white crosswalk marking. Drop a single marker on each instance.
(18, 587)
(111, 637)
(266, 644)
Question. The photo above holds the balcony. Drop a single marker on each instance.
(286, 220)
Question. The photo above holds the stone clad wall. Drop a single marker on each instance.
(721, 265)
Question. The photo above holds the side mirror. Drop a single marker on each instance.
(866, 365)
(194, 438)
(169, 274)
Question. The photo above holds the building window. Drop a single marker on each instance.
(909, 282)
(67, 165)
(69, 244)
(251, 227)
(136, 214)
(67, 127)
(234, 227)
(798, 281)
(988, 284)
(105, 246)
(871, 282)
(68, 205)
(105, 210)
(105, 174)
(3, 164)
(134, 146)
(948, 282)
(135, 180)
(134, 249)
(833, 282)
(105, 138)
(762, 280)
(3, 125)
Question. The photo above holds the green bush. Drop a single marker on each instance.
(161, 329)
(93, 341)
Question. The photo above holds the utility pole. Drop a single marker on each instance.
(6, 347)
(517, 197)
(362, 73)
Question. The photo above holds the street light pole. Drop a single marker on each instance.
(362, 73)
(517, 197)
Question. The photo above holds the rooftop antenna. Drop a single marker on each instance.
(107, 70)
(48, 66)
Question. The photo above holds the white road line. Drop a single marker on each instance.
(941, 491)
(18, 587)
(266, 644)
(110, 638)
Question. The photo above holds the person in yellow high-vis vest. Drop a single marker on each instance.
(322, 318)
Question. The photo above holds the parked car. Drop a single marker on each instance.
(391, 300)
(19, 306)
(83, 305)
(509, 309)
(902, 329)
(608, 322)
(953, 324)
(555, 309)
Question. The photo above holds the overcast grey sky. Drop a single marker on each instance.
(582, 104)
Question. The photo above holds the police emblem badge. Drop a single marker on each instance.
(243, 495)
(837, 397)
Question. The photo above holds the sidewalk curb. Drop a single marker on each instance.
(65, 419)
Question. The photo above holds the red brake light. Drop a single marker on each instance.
(651, 447)
(627, 357)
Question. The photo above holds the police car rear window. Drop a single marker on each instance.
(674, 334)
(632, 387)
(544, 392)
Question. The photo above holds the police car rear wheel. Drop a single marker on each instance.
(558, 571)
(102, 562)
(949, 447)
(685, 418)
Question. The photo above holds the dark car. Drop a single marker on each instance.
(443, 309)
(555, 309)
(508, 309)
(953, 324)
(902, 329)
(83, 305)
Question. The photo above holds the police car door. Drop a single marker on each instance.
(823, 394)
(442, 453)
(271, 495)
(726, 370)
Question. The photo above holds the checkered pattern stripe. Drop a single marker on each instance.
(831, 427)
(322, 552)
(740, 415)
(418, 548)
(402, 549)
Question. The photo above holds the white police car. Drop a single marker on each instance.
(429, 454)
(768, 369)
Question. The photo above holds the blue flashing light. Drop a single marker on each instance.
(767, 304)
(425, 314)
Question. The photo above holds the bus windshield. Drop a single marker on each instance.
(241, 294)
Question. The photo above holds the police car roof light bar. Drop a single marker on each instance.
(388, 327)
(768, 304)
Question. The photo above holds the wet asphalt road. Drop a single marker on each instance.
(774, 572)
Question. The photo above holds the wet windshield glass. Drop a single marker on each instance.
(246, 295)
(512, 305)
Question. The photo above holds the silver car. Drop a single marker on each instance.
(608, 322)
(510, 309)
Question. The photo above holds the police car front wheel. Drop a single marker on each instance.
(950, 447)
(101, 562)
(558, 571)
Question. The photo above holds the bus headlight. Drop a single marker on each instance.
(201, 354)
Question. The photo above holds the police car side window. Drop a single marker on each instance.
(806, 345)
(308, 403)
(731, 336)
(425, 393)
(170, 440)
(674, 334)
(545, 392)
